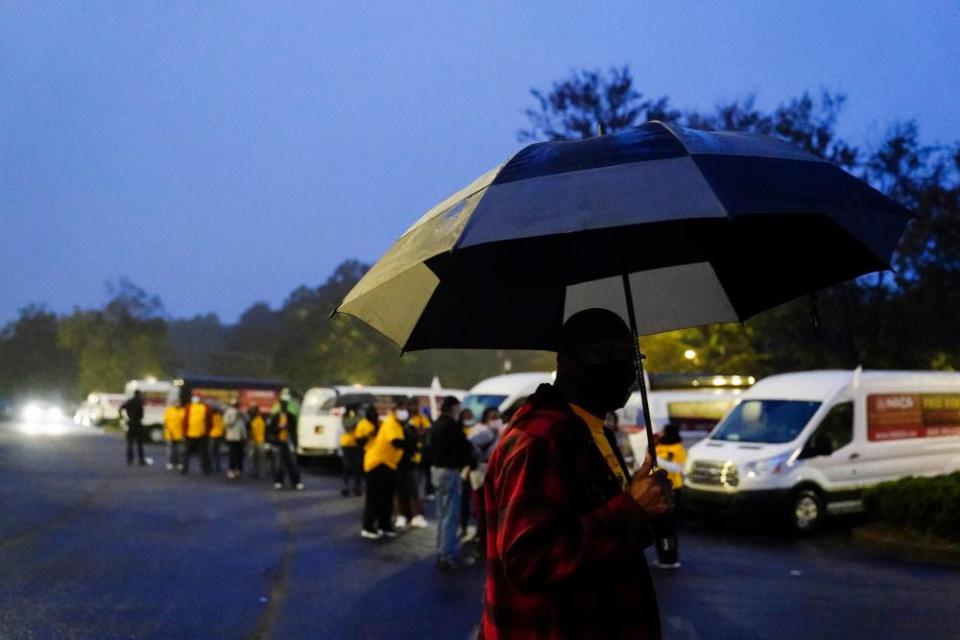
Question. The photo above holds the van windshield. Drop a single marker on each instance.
(767, 421)
(478, 402)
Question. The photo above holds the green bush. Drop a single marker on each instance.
(925, 505)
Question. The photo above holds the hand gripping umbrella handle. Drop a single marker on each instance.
(638, 361)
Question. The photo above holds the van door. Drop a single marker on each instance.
(831, 448)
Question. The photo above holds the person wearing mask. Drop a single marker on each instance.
(383, 449)
(131, 412)
(451, 454)
(409, 508)
(421, 421)
(282, 436)
(198, 425)
(466, 531)
(235, 434)
(352, 455)
(215, 437)
(173, 419)
(258, 431)
(566, 524)
(483, 437)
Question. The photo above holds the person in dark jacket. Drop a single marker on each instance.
(282, 436)
(132, 412)
(566, 525)
(451, 453)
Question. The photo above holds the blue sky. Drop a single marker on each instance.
(221, 153)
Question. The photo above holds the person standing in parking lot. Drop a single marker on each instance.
(382, 453)
(258, 432)
(352, 455)
(198, 424)
(451, 453)
(173, 419)
(235, 434)
(215, 439)
(282, 436)
(132, 412)
(409, 508)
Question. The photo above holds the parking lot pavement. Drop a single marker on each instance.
(90, 548)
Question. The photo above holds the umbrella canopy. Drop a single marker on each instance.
(707, 226)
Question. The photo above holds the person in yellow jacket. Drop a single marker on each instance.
(173, 419)
(216, 436)
(383, 449)
(352, 454)
(258, 429)
(198, 425)
(671, 454)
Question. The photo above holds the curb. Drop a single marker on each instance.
(871, 538)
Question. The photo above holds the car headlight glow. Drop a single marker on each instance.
(771, 466)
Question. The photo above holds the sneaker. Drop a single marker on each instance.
(452, 566)
(390, 533)
(345, 492)
(400, 522)
(149, 461)
(278, 485)
(469, 534)
(358, 492)
(666, 566)
(419, 522)
(169, 467)
(371, 535)
(299, 486)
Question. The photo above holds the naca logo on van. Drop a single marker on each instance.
(900, 416)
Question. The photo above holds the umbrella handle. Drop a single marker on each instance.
(638, 362)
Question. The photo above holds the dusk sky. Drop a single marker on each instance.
(222, 153)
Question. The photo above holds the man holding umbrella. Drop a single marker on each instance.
(566, 525)
(660, 225)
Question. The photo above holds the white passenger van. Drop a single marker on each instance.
(507, 392)
(806, 444)
(155, 395)
(320, 424)
(99, 409)
(694, 411)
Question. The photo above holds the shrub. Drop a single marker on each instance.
(925, 505)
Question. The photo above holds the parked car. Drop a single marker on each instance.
(507, 392)
(803, 445)
(321, 421)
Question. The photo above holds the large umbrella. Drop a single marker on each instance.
(667, 226)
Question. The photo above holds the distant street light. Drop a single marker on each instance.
(690, 354)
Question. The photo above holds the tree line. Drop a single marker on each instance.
(907, 318)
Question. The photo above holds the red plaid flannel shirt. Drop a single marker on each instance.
(564, 541)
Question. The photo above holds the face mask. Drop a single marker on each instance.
(608, 385)
(402, 414)
(496, 425)
(469, 422)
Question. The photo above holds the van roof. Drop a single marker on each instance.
(511, 382)
(819, 385)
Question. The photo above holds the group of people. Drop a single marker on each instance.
(402, 457)
(202, 429)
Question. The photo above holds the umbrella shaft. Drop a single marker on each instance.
(638, 361)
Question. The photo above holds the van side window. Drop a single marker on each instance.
(837, 426)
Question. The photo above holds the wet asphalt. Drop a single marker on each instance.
(91, 548)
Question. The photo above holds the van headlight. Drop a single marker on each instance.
(770, 466)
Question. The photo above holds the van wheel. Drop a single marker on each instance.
(806, 511)
(156, 435)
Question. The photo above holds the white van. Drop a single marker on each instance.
(320, 424)
(507, 392)
(98, 409)
(155, 396)
(808, 443)
(694, 411)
